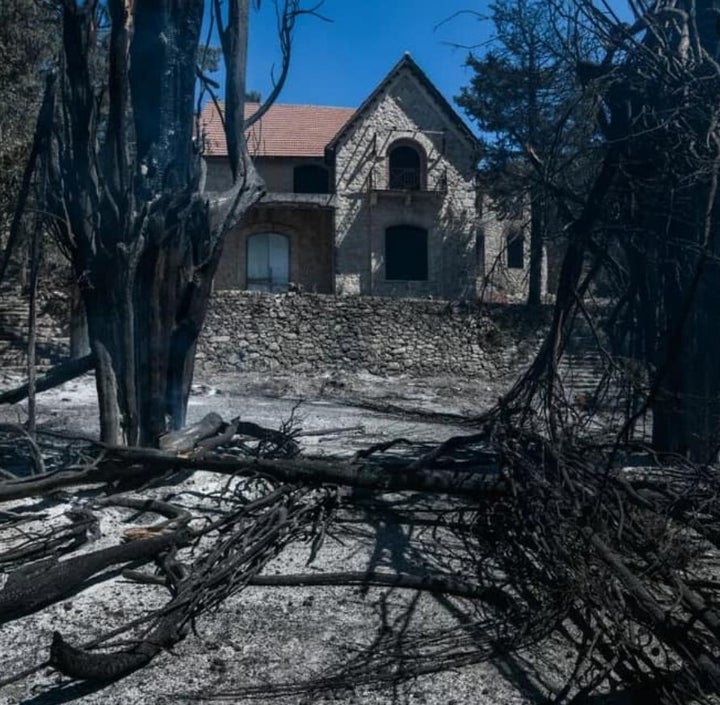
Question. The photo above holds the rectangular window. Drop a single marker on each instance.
(480, 252)
(310, 178)
(515, 250)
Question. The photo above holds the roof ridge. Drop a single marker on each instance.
(286, 130)
(287, 105)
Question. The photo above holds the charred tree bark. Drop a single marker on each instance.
(79, 342)
(40, 144)
(144, 241)
(537, 238)
(32, 327)
(537, 203)
(27, 591)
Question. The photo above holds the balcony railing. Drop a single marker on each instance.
(407, 179)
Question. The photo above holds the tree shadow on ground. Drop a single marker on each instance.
(65, 692)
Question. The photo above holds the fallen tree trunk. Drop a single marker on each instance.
(120, 462)
(54, 377)
(215, 575)
(445, 584)
(438, 584)
(482, 479)
(186, 438)
(31, 588)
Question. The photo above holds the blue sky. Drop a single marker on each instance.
(341, 61)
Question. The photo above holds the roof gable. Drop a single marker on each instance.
(284, 131)
(407, 63)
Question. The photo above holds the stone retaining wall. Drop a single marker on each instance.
(317, 333)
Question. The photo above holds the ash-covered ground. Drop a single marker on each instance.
(342, 403)
(265, 644)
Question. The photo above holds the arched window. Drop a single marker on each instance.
(406, 253)
(268, 262)
(310, 178)
(515, 250)
(405, 164)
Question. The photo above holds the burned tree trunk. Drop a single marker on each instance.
(79, 343)
(670, 185)
(124, 180)
(537, 233)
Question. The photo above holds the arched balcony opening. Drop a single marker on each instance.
(406, 167)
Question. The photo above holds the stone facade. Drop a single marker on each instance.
(403, 112)
(497, 282)
(277, 172)
(339, 242)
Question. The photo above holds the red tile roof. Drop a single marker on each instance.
(284, 131)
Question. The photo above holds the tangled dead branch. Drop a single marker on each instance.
(546, 539)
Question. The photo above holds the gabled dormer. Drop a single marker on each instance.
(405, 192)
(402, 138)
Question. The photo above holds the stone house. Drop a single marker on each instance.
(380, 200)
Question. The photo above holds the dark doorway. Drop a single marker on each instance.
(515, 250)
(406, 253)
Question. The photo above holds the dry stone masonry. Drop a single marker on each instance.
(309, 333)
